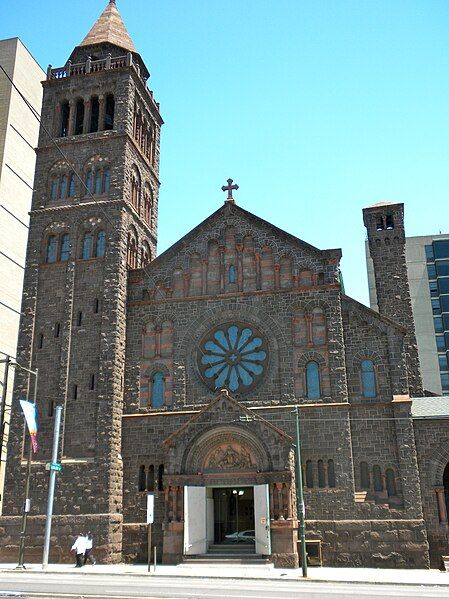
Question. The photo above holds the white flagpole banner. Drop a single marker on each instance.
(30, 412)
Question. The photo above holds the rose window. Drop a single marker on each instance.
(233, 356)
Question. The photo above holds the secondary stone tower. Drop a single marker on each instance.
(93, 217)
(384, 223)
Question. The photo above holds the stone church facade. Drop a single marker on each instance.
(178, 374)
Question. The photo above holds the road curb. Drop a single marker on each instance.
(218, 577)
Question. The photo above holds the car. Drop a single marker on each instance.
(243, 536)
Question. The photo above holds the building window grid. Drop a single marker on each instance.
(437, 257)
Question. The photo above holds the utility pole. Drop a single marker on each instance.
(300, 497)
(54, 467)
(27, 502)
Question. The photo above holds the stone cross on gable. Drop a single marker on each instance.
(230, 188)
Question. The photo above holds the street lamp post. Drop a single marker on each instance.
(300, 497)
(7, 363)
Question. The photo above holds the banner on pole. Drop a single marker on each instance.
(29, 410)
(150, 508)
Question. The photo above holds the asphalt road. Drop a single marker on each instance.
(74, 586)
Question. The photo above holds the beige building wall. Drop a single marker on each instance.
(421, 305)
(18, 137)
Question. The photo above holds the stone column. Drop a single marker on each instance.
(87, 113)
(442, 511)
(102, 111)
(221, 250)
(72, 110)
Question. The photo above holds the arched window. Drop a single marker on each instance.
(146, 255)
(150, 478)
(65, 112)
(106, 180)
(142, 481)
(132, 255)
(79, 117)
(52, 245)
(331, 474)
(364, 475)
(54, 189)
(391, 483)
(94, 114)
(135, 189)
(98, 181)
(232, 274)
(321, 475)
(313, 380)
(71, 186)
(63, 187)
(89, 180)
(87, 246)
(100, 248)
(109, 113)
(368, 378)
(160, 478)
(65, 248)
(377, 479)
(309, 474)
(157, 390)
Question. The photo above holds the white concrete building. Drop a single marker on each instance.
(428, 290)
(18, 137)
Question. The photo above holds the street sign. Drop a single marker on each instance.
(57, 467)
(150, 508)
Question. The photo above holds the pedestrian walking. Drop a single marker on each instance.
(88, 553)
(79, 547)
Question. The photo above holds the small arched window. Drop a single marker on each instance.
(54, 189)
(63, 187)
(89, 181)
(72, 186)
(100, 248)
(391, 483)
(65, 112)
(321, 475)
(331, 474)
(94, 114)
(364, 475)
(107, 180)
(142, 481)
(52, 245)
(79, 117)
(150, 478)
(87, 246)
(377, 479)
(109, 113)
(313, 380)
(309, 474)
(65, 248)
(368, 378)
(98, 181)
(232, 275)
(157, 390)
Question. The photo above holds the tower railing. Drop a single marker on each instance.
(93, 66)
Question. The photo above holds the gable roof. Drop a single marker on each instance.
(372, 315)
(232, 208)
(110, 28)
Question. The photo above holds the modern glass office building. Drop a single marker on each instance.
(427, 260)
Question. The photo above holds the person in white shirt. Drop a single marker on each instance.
(79, 546)
(88, 553)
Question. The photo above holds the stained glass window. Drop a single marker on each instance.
(65, 247)
(52, 245)
(101, 244)
(157, 390)
(368, 379)
(313, 380)
(233, 356)
(87, 246)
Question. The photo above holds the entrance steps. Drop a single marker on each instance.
(228, 555)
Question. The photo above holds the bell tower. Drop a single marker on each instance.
(93, 218)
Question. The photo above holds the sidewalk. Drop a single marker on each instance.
(368, 575)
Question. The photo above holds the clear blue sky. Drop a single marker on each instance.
(316, 108)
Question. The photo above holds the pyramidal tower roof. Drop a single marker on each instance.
(110, 28)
